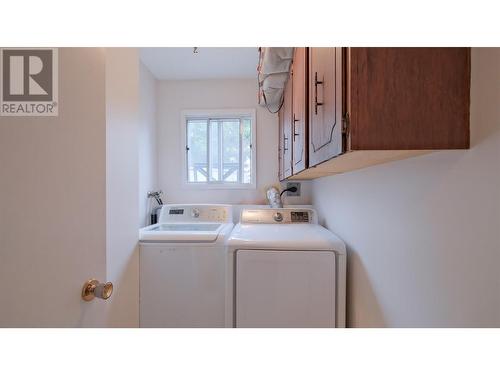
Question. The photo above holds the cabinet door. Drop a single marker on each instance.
(286, 115)
(409, 98)
(280, 145)
(299, 107)
(325, 104)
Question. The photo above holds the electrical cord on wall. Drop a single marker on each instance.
(292, 189)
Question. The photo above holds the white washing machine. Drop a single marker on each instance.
(182, 268)
(284, 270)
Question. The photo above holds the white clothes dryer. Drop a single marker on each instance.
(284, 270)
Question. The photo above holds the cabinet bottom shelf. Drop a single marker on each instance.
(354, 160)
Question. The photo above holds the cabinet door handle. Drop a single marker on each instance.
(316, 83)
(295, 134)
(285, 149)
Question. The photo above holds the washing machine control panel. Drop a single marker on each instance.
(278, 216)
(196, 213)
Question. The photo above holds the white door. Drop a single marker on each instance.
(53, 202)
(277, 289)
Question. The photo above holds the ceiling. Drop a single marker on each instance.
(209, 63)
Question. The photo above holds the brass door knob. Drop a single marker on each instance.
(93, 288)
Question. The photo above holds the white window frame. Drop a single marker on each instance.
(215, 114)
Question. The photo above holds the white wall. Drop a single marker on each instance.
(148, 166)
(122, 184)
(175, 96)
(424, 233)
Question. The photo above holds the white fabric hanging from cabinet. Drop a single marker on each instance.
(273, 72)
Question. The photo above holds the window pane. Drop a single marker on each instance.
(214, 151)
(197, 154)
(220, 150)
(246, 152)
(230, 150)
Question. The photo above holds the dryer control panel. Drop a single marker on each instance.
(279, 216)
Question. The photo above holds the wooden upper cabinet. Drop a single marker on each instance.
(286, 130)
(409, 98)
(325, 104)
(300, 110)
(373, 105)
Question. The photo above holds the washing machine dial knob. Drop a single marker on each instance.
(195, 212)
(278, 216)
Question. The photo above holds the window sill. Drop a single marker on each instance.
(214, 186)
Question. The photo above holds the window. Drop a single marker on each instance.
(219, 148)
